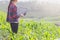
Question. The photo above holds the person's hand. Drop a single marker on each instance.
(22, 15)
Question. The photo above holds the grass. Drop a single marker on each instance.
(29, 30)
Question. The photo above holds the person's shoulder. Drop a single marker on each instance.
(11, 5)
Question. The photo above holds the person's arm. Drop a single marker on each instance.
(13, 12)
(21, 11)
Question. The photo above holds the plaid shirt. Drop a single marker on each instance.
(12, 16)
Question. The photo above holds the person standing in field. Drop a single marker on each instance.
(12, 16)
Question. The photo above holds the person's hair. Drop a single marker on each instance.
(12, 0)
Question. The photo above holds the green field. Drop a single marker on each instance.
(29, 30)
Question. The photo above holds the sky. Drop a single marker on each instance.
(39, 1)
(49, 1)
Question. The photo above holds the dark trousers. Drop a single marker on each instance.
(14, 27)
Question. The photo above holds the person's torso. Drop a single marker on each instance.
(11, 13)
